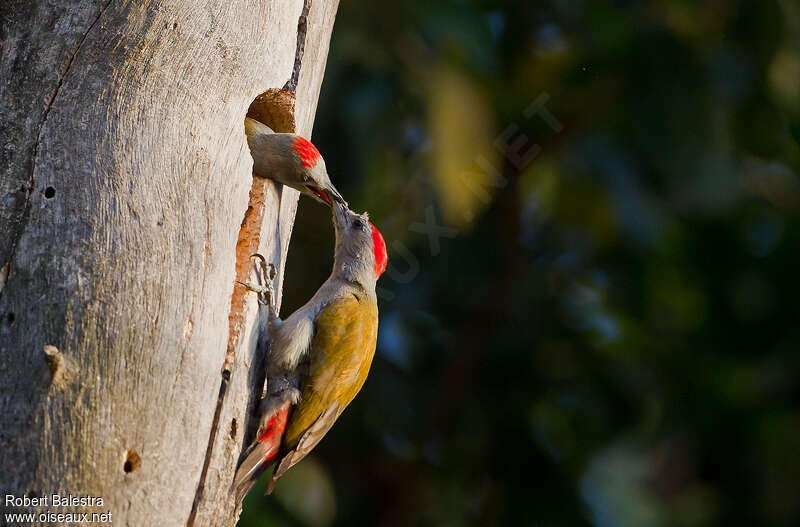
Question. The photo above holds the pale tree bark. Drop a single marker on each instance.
(127, 211)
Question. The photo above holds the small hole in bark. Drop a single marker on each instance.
(233, 429)
(132, 461)
(49, 192)
(11, 318)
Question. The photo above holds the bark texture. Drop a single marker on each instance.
(127, 210)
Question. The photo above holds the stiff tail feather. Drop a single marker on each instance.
(262, 453)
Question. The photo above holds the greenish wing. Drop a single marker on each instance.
(345, 333)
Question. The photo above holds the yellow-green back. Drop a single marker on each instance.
(341, 353)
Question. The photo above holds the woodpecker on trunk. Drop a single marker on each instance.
(291, 160)
(319, 357)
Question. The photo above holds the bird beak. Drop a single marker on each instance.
(336, 196)
(339, 214)
(320, 194)
(328, 196)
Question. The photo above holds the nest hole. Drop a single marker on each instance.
(49, 193)
(274, 108)
(132, 461)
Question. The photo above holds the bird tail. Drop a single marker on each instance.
(262, 452)
(253, 127)
(251, 468)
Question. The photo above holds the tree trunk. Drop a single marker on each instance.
(127, 211)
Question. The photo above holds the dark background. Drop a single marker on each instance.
(605, 333)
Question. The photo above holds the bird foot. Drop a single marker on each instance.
(265, 272)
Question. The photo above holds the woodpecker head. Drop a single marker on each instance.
(291, 160)
(360, 254)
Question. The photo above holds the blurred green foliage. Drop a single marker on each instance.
(606, 334)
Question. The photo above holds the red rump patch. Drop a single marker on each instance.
(273, 432)
(379, 248)
(307, 152)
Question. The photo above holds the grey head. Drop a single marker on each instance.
(360, 254)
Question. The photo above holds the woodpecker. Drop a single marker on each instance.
(320, 356)
(291, 160)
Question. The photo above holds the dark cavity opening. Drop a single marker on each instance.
(132, 461)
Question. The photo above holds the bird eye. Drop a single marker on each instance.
(358, 224)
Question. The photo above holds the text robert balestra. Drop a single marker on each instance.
(53, 500)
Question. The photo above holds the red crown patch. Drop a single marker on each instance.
(307, 152)
(379, 248)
